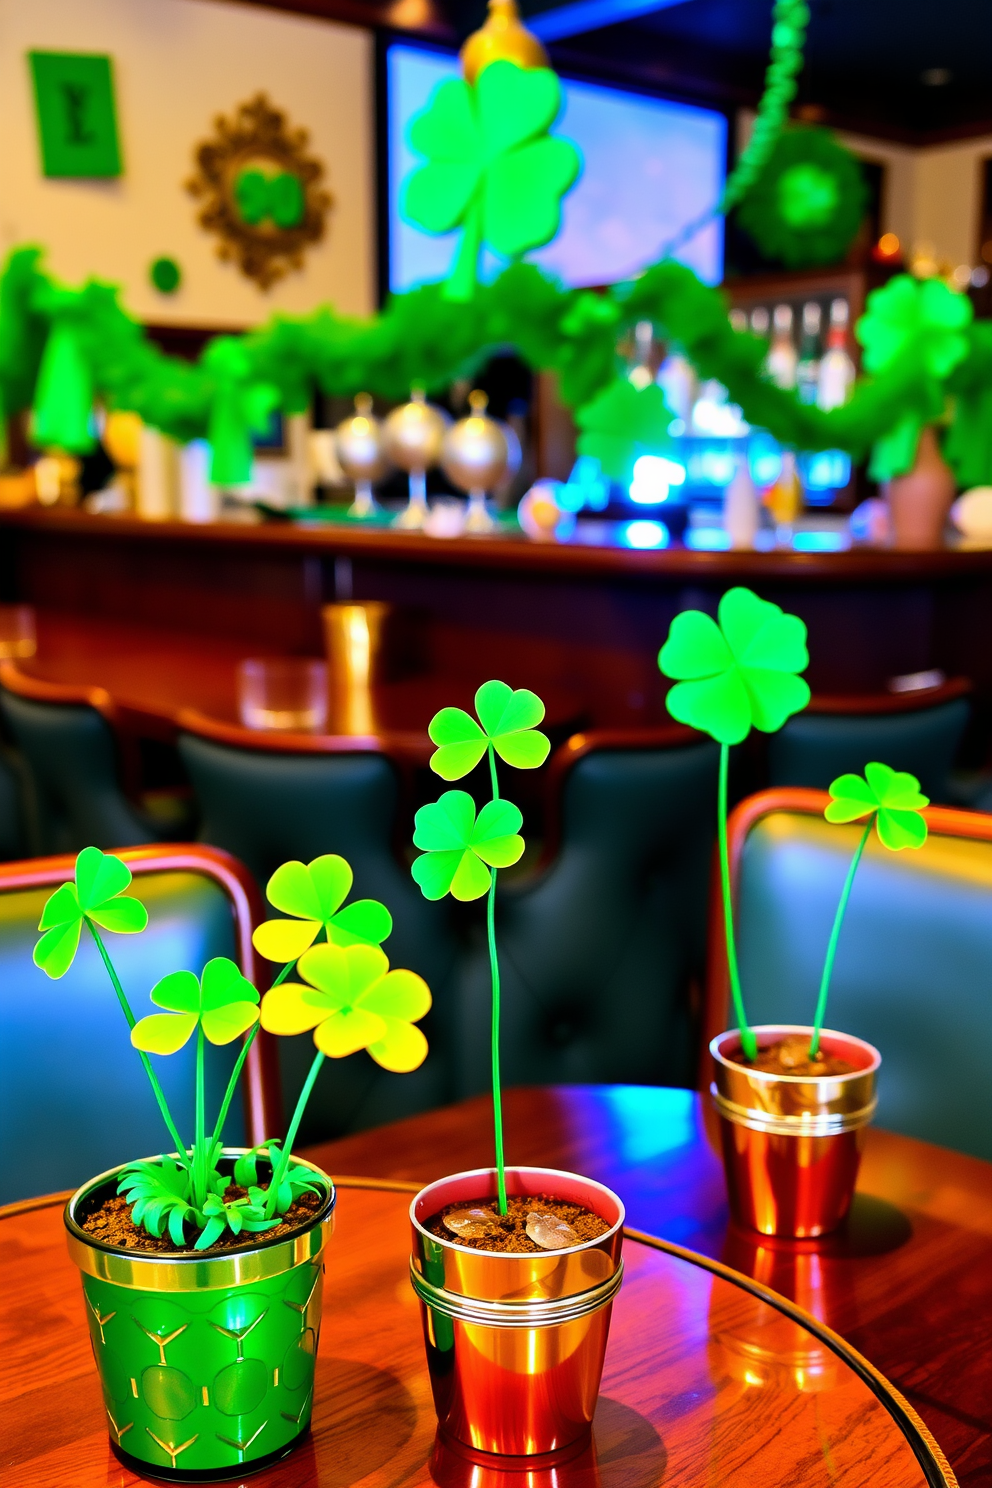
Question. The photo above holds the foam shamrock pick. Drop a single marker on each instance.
(222, 1002)
(353, 1001)
(492, 168)
(94, 896)
(507, 723)
(891, 797)
(314, 893)
(892, 802)
(461, 848)
(910, 315)
(738, 674)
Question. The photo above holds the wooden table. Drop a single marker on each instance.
(908, 1282)
(707, 1381)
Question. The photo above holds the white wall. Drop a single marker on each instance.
(178, 63)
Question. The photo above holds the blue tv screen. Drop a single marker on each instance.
(649, 167)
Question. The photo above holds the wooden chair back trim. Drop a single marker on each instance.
(882, 703)
(596, 741)
(945, 821)
(402, 743)
(261, 1084)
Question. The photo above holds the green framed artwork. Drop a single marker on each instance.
(77, 121)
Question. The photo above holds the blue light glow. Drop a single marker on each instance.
(764, 458)
(586, 486)
(707, 539)
(651, 1120)
(654, 477)
(645, 535)
(825, 470)
(650, 166)
(820, 542)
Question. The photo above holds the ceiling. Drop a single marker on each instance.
(919, 71)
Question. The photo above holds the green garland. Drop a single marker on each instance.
(62, 348)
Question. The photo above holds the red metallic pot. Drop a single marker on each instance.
(792, 1143)
(516, 1343)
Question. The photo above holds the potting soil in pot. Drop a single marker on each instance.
(531, 1224)
(111, 1224)
(790, 1056)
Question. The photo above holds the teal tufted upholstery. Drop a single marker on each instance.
(267, 808)
(13, 841)
(74, 1099)
(599, 953)
(913, 973)
(814, 748)
(72, 767)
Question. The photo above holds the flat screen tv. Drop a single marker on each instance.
(650, 167)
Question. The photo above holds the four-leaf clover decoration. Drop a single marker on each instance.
(893, 796)
(507, 721)
(492, 168)
(314, 893)
(353, 1001)
(95, 895)
(222, 1002)
(460, 848)
(738, 674)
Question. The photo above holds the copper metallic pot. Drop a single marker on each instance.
(792, 1143)
(516, 1343)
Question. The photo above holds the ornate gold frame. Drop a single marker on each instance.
(264, 252)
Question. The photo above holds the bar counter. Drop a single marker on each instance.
(578, 615)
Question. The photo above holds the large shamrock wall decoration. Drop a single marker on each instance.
(492, 168)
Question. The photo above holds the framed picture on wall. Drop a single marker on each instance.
(77, 120)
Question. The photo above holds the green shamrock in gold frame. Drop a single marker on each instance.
(731, 675)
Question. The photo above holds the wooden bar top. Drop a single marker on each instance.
(572, 558)
(907, 1281)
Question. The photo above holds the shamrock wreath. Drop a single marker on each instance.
(807, 204)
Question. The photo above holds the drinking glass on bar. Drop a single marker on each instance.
(353, 638)
(17, 632)
(283, 692)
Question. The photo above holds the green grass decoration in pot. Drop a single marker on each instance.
(892, 802)
(730, 677)
(462, 851)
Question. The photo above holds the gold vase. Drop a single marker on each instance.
(353, 642)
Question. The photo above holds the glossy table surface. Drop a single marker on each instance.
(706, 1382)
(908, 1282)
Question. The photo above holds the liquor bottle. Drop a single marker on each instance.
(784, 500)
(781, 361)
(836, 368)
(741, 508)
(759, 321)
(808, 366)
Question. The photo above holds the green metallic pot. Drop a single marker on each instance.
(206, 1361)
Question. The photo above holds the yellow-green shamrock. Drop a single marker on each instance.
(461, 848)
(313, 893)
(492, 168)
(507, 721)
(100, 880)
(222, 1002)
(893, 796)
(353, 1001)
(738, 674)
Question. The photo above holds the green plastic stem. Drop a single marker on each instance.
(749, 1044)
(232, 1085)
(200, 1129)
(494, 979)
(460, 283)
(157, 1090)
(828, 964)
(279, 1173)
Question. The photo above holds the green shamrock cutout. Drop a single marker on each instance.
(508, 722)
(278, 197)
(313, 893)
(353, 1001)
(461, 848)
(222, 1002)
(909, 315)
(100, 880)
(621, 423)
(738, 674)
(492, 168)
(892, 795)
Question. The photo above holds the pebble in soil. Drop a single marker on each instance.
(532, 1223)
(790, 1056)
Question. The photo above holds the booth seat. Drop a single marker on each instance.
(74, 1099)
(913, 973)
